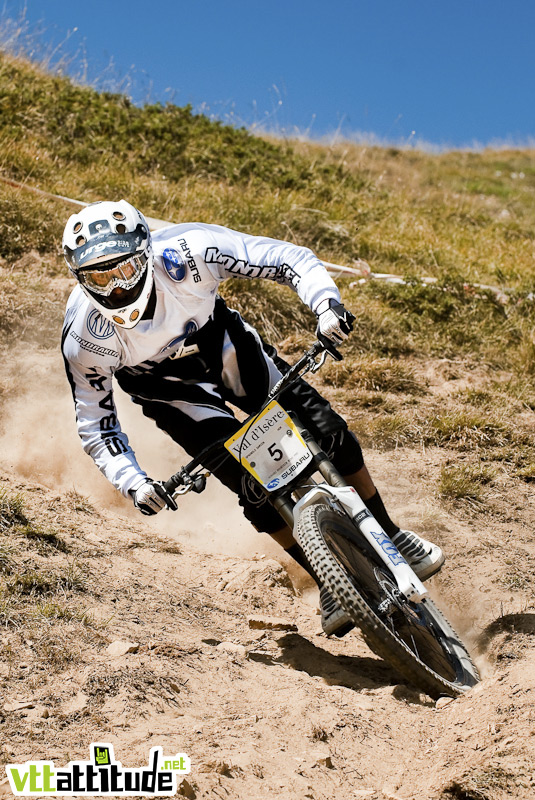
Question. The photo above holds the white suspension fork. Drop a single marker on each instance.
(348, 499)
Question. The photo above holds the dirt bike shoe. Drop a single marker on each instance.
(334, 620)
(425, 558)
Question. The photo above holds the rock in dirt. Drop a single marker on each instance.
(119, 648)
(231, 647)
(186, 790)
(219, 766)
(254, 577)
(442, 702)
(324, 761)
(19, 706)
(270, 623)
(323, 758)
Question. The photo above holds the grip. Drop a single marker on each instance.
(171, 484)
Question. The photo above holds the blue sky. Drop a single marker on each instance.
(453, 73)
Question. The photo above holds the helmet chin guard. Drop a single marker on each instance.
(108, 249)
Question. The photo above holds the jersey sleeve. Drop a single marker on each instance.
(90, 366)
(240, 255)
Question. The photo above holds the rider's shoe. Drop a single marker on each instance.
(334, 620)
(425, 558)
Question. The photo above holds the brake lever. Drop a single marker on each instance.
(318, 364)
(329, 347)
(191, 483)
(182, 489)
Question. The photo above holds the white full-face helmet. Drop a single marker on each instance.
(108, 249)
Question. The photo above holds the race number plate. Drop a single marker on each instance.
(270, 448)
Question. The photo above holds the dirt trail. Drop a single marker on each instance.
(284, 713)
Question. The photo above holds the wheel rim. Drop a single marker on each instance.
(409, 622)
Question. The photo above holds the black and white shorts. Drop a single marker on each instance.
(188, 398)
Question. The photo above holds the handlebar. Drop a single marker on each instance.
(196, 481)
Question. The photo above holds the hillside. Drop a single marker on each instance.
(117, 633)
(438, 383)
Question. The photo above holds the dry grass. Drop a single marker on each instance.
(11, 510)
(46, 581)
(491, 781)
(373, 373)
(466, 429)
(464, 481)
(7, 561)
(383, 430)
(80, 503)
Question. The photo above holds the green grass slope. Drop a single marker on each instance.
(463, 217)
(406, 211)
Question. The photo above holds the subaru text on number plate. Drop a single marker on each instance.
(270, 447)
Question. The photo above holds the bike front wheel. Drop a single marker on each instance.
(415, 638)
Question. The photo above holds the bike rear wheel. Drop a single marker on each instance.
(415, 638)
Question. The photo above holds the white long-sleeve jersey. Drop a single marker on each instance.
(190, 261)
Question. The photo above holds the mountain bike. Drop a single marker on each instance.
(348, 549)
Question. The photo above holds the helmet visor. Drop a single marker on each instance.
(124, 274)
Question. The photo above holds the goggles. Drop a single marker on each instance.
(124, 274)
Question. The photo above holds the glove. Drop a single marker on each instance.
(335, 322)
(151, 497)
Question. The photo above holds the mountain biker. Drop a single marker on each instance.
(146, 311)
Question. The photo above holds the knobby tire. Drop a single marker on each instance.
(415, 638)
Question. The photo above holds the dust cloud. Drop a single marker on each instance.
(39, 441)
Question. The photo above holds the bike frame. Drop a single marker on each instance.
(335, 493)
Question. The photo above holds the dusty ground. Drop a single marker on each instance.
(287, 714)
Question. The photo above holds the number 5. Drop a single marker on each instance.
(275, 452)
